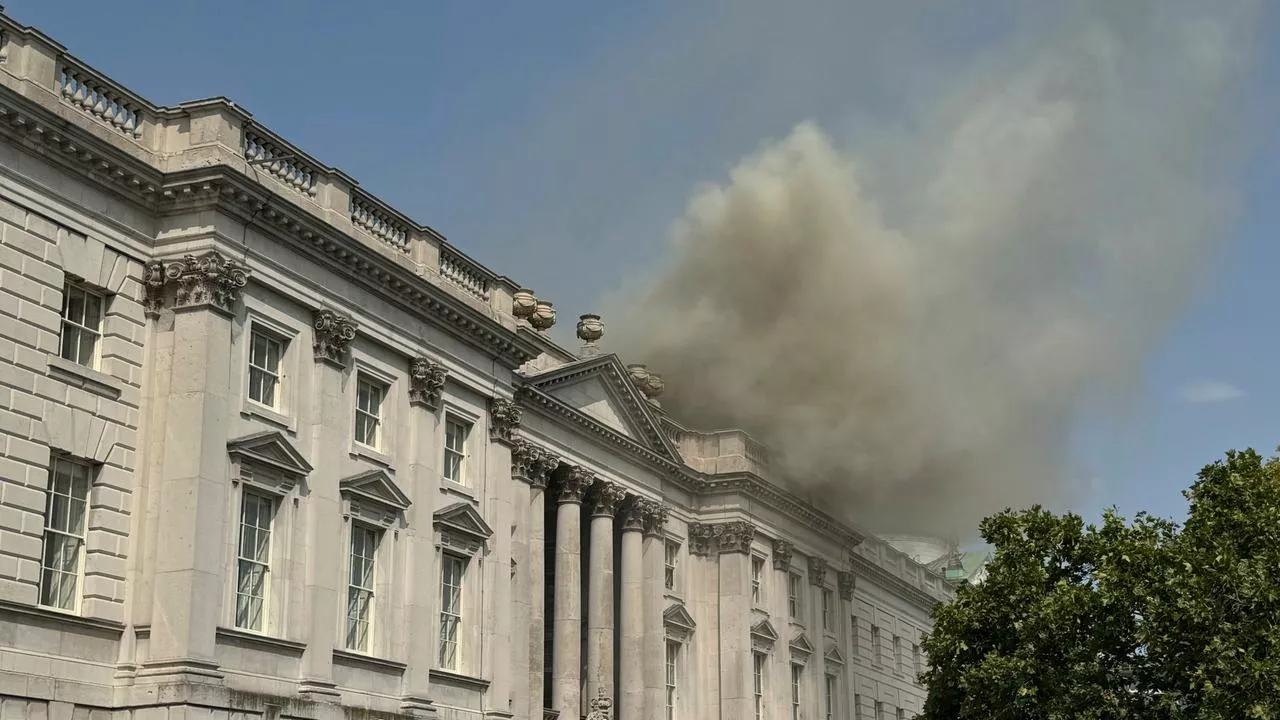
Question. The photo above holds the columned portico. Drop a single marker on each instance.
(566, 640)
(604, 498)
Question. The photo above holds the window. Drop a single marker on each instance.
(673, 656)
(797, 674)
(369, 395)
(879, 710)
(253, 560)
(857, 707)
(853, 641)
(81, 325)
(265, 353)
(875, 644)
(829, 697)
(757, 683)
(793, 595)
(451, 572)
(364, 546)
(672, 555)
(902, 714)
(897, 654)
(757, 577)
(455, 449)
(828, 610)
(915, 658)
(64, 524)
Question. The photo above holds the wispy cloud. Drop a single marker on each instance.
(1211, 391)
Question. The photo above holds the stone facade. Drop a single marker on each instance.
(271, 449)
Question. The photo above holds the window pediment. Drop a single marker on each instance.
(763, 635)
(833, 656)
(270, 449)
(461, 527)
(374, 496)
(800, 646)
(678, 622)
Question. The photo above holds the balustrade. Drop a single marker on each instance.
(464, 273)
(100, 99)
(280, 161)
(366, 215)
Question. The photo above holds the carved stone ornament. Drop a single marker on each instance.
(605, 498)
(524, 455)
(573, 484)
(655, 517)
(846, 583)
(504, 418)
(540, 469)
(544, 315)
(590, 330)
(601, 707)
(632, 513)
(782, 555)
(333, 335)
(817, 571)
(523, 303)
(426, 382)
(735, 536)
(209, 280)
(702, 539)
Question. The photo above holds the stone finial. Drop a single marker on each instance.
(523, 303)
(735, 536)
(846, 584)
(333, 335)
(426, 382)
(573, 484)
(543, 316)
(639, 375)
(782, 551)
(655, 517)
(210, 280)
(590, 330)
(632, 513)
(817, 571)
(504, 419)
(605, 498)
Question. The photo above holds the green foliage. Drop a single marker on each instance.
(1122, 620)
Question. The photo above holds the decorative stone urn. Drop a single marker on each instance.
(639, 375)
(590, 329)
(653, 386)
(544, 316)
(523, 303)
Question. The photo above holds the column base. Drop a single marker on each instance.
(180, 670)
(418, 707)
(319, 690)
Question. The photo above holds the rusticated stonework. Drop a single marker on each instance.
(333, 335)
(605, 497)
(504, 419)
(209, 280)
(426, 382)
(846, 583)
(817, 571)
(782, 551)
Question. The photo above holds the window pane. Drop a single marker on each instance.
(70, 342)
(74, 305)
(92, 311)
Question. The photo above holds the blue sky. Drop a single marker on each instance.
(556, 142)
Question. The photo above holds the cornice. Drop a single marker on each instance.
(783, 501)
(921, 598)
(624, 390)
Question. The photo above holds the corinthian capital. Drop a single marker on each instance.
(605, 498)
(573, 484)
(426, 382)
(504, 418)
(209, 280)
(333, 335)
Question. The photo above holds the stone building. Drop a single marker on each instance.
(269, 448)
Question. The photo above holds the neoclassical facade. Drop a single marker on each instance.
(272, 449)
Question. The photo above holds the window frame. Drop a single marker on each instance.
(795, 596)
(830, 695)
(759, 681)
(828, 610)
(264, 612)
(797, 682)
(462, 562)
(876, 653)
(897, 654)
(48, 573)
(671, 548)
(375, 534)
(257, 330)
(671, 661)
(372, 380)
(757, 579)
(81, 327)
(453, 419)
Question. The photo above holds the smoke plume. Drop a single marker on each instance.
(914, 337)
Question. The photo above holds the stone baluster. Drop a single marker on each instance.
(604, 498)
(631, 601)
(566, 640)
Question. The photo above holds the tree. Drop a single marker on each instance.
(1122, 620)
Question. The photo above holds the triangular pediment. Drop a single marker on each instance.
(800, 644)
(679, 617)
(833, 654)
(376, 486)
(272, 449)
(600, 389)
(463, 518)
(763, 630)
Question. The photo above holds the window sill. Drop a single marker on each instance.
(673, 596)
(353, 657)
(449, 487)
(252, 409)
(77, 375)
(249, 637)
(365, 452)
(63, 618)
(457, 679)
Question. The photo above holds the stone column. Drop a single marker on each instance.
(426, 385)
(604, 498)
(654, 666)
(846, 585)
(566, 640)
(324, 591)
(631, 652)
(732, 542)
(537, 465)
(498, 626)
(194, 479)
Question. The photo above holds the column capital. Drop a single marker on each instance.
(207, 281)
(504, 419)
(734, 536)
(846, 583)
(605, 497)
(782, 551)
(426, 382)
(817, 571)
(632, 512)
(572, 484)
(655, 517)
(333, 335)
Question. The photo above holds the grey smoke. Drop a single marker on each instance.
(914, 328)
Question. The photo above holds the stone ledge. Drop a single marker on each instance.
(68, 620)
(77, 375)
(369, 661)
(458, 680)
(244, 637)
